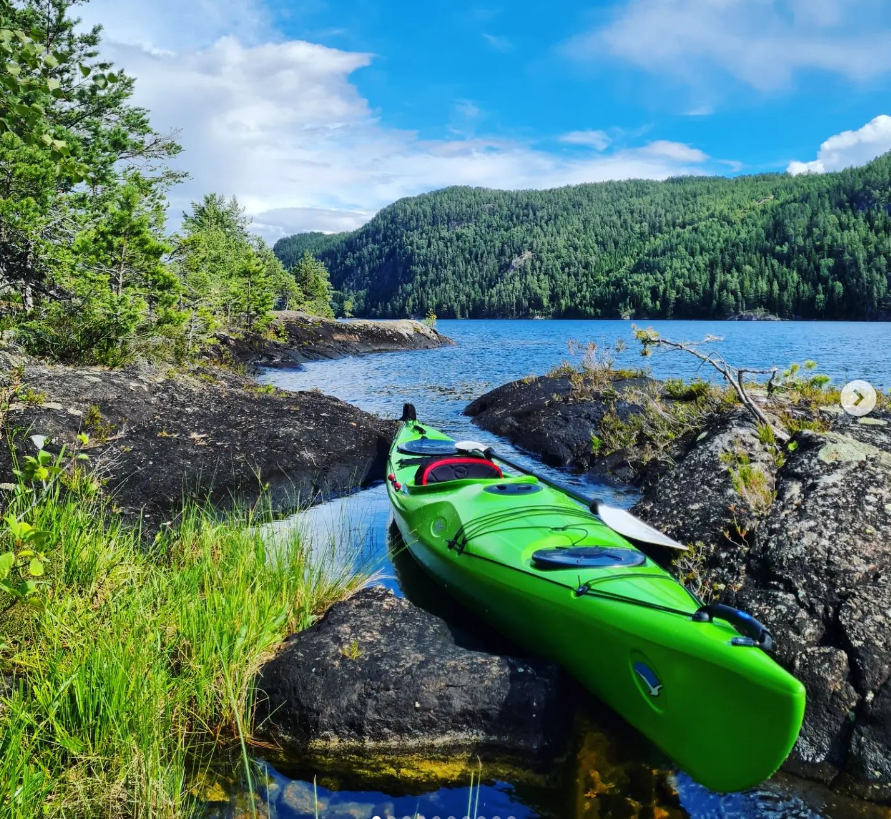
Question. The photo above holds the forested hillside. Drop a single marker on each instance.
(809, 246)
(292, 249)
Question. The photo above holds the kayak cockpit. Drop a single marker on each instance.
(456, 468)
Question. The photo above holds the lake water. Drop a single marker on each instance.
(610, 771)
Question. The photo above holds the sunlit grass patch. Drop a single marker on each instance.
(140, 661)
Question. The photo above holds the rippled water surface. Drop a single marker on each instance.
(609, 771)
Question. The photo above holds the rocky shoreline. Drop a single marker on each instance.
(295, 337)
(809, 557)
(157, 437)
(159, 434)
(799, 535)
(557, 417)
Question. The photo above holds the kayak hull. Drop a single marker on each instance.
(727, 714)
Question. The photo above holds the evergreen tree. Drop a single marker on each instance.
(312, 280)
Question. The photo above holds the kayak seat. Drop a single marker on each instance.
(439, 470)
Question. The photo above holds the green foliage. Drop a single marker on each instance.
(353, 651)
(23, 544)
(83, 275)
(147, 656)
(692, 569)
(30, 61)
(654, 426)
(89, 274)
(97, 425)
(430, 319)
(814, 246)
(681, 390)
(292, 249)
(595, 368)
(311, 277)
(749, 480)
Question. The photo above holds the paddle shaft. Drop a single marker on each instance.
(589, 503)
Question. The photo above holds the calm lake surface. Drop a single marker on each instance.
(441, 383)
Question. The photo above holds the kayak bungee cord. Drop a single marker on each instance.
(488, 524)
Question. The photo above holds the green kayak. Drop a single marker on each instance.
(551, 576)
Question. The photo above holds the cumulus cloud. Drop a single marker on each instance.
(849, 148)
(763, 43)
(598, 140)
(282, 126)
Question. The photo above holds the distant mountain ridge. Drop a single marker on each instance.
(814, 246)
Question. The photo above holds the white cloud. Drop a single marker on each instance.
(763, 43)
(278, 222)
(281, 126)
(598, 140)
(176, 24)
(676, 151)
(498, 42)
(849, 148)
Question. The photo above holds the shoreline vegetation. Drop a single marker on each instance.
(127, 668)
(90, 274)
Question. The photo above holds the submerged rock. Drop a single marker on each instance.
(157, 436)
(377, 672)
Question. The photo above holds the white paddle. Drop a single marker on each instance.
(617, 519)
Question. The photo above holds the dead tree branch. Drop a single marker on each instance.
(732, 375)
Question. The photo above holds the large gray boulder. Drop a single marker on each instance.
(159, 435)
(377, 672)
(714, 497)
(557, 417)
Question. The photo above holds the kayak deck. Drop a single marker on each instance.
(623, 626)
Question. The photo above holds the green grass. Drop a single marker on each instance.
(141, 662)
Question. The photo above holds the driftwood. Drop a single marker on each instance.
(732, 375)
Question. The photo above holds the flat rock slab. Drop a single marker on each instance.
(157, 436)
(298, 337)
(379, 672)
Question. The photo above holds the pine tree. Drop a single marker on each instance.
(312, 280)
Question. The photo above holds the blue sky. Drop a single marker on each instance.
(316, 114)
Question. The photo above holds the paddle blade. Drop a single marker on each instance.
(631, 527)
(470, 446)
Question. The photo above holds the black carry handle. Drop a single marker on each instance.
(740, 620)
